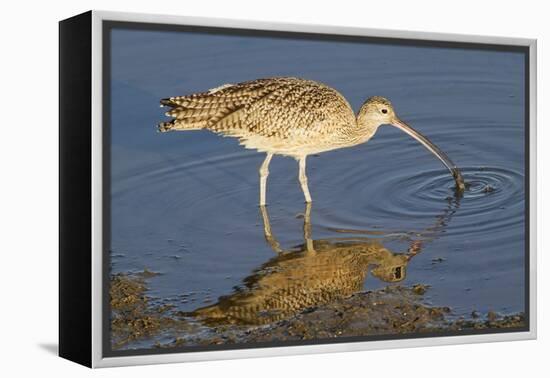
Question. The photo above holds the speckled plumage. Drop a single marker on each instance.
(291, 282)
(287, 116)
(312, 274)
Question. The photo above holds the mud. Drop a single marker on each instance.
(391, 310)
(132, 316)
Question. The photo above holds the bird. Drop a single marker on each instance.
(314, 273)
(289, 116)
(318, 271)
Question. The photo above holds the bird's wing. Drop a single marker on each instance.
(206, 109)
(274, 107)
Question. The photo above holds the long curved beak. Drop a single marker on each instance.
(434, 150)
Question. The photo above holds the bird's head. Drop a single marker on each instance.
(378, 111)
(394, 271)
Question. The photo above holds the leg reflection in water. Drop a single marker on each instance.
(315, 273)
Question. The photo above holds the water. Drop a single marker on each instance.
(185, 203)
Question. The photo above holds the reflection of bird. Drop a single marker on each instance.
(288, 116)
(318, 272)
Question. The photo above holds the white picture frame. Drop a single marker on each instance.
(90, 330)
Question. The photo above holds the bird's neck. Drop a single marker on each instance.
(362, 131)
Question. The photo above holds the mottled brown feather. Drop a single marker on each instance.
(293, 281)
(265, 113)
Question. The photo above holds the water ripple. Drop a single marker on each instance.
(405, 195)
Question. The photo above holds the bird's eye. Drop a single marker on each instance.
(384, 111)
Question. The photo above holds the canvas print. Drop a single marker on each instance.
(269, 189)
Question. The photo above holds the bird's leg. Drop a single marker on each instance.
(264, 172)
(303, 178)
(307, 228)
(267, 231)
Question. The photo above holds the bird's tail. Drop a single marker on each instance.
(183, 118)
(175, 124)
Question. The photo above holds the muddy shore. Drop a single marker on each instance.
(136, 321)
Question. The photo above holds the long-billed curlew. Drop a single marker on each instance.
(315, 273)
(288, 116)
